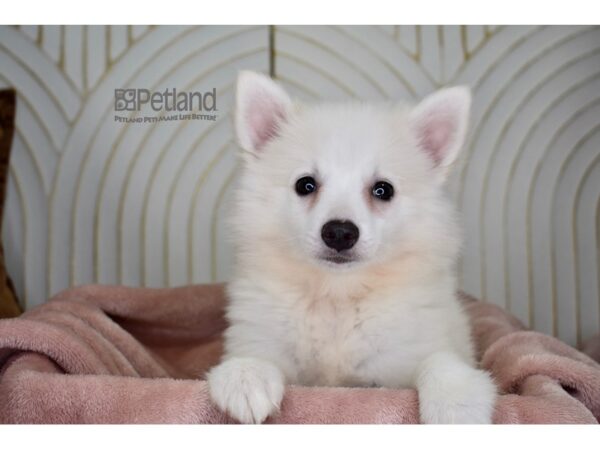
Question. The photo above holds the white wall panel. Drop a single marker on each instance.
(91, 200)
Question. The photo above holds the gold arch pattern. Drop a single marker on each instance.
(91, 200)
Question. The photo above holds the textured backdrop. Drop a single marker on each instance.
(91, 200)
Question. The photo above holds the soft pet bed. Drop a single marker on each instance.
(101, 354)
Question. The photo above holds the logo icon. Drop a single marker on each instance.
(125, 99)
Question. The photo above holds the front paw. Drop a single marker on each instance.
(248, 389)
(456, 394)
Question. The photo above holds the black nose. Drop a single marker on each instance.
(339, 234)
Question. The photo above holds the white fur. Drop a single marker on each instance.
(249, 389)
(390, 317)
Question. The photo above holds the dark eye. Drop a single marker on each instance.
(306, 186)
(383, 190)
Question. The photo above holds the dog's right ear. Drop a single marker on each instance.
(261, 106)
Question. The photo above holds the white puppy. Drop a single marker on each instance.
(346, 252)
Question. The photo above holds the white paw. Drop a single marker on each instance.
(248, 389)
(456, 395)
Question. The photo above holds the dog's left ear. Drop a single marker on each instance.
(439, 124)
(261, 107)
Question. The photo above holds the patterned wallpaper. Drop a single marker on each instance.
(94, 200)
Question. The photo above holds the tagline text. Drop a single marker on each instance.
(169, 118)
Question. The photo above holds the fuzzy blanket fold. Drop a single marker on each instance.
(101, 354)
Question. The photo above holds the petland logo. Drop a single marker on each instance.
(170, 104)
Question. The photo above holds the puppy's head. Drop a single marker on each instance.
(346, 185)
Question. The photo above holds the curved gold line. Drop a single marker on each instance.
(576, 204)
(463, 44)
(203, 175)
(442, 54)
(317, 70)
(424, 68)
(126, 47)
(289, 81)
(419, 43)
(21, 29)
(68, 137)
(106, 59)
(143, 66)
(93, 139)
(201, 179)
(61, 54)
(153, 174)
(398, 42)
(83, 61)
(494, 156)
(505, 51)
(167, 215)
(582, 141)
(163, 152)
(533, 182)
(45, 40)
(213, 226)
(491, 105)
(73, 78)
(339, 56)
(107, 111)
(107, 45)
(489, 108)
(38, 38)
(519, 153)
(19, 189)
(32, 155)
(144, 32)
(184, 161)
(271, 48)
(149, 132)
(489, 70)
(467, 55)
(34, 112)
(196, 192)
(387, 64)
(21, 198)
(72, 130)
(40, 81)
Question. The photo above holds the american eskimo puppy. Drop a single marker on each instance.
(346, 252)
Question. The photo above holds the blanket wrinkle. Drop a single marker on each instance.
(115, 354)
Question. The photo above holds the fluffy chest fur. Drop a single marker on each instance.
(347, 334)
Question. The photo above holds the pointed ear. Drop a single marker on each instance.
(261, 106)
(439, 123)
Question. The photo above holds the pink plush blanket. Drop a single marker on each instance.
(101, 354)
